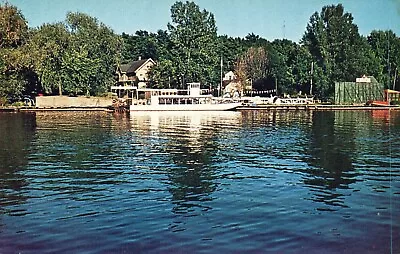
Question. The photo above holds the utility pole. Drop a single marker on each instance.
(220, 85)
(284, 29)
(311, 80)
(388, 59)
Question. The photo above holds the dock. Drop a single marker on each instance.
(315, 107)
(281, 107)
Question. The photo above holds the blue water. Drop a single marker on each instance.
(231, 182)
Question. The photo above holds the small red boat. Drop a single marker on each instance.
(390, 95)
(379, 103)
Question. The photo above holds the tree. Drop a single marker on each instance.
(13, 34)
(95, 49)
(193, 36)
(46, 49)
(78, 56)
(230, 49)
(253, 40)
(162, 72)
(386, 47)
(337, 48)
(13, 27)
(252, 65)
(145, 45)
(285, 53)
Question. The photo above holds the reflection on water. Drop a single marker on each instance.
(16, 134)
(219, 182)
(188, 140)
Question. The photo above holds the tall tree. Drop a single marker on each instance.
(386, 46)
(46, 49)
(253, 65)
(145, 45)
(13, 27)
(337, 48)
(13, 34)
(96, 49)
(229, 49)
(193, 35)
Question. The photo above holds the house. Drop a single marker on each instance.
(135, 73)
(229, 76)
(232, 88)
(231, 85)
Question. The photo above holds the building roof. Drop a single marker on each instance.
(133, 66)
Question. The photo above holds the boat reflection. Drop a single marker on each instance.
(188, 145)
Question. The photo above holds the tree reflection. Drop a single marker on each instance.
(77, 149)
(17, 132)
(332, 148)
(325, 140)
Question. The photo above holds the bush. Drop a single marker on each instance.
(3, 101)
(18, 104)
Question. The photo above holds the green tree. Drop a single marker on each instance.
(13, 27)
(253, 40)
(46, 49)
(163, 73)
(230, 49)
(145, 45)
(285, 53)
(386, 46)
(193, 36)
(13, 34)
(291, 66)
(94, 48)
(337, 48)
(78, 71)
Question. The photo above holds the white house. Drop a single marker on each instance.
(229, 76)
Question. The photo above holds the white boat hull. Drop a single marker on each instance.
(186, 107)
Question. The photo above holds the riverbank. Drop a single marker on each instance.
(35, 109)
(241, 108)
(316, 107)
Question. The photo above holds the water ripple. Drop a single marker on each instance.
(252, 181)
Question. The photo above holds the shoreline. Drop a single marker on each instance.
(66, 109)
(241, 108)
(317, 107)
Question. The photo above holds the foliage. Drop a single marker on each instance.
(252, 65)
(80, 55)
(193, 36)
(291, 66)
(48, 44)
(386, 47)
(337, 48)
(13, 33)
(13, 27)
(144, 45)
(94, 52)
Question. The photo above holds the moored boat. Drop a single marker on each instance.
(193, 101)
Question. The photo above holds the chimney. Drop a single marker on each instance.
(140, 58)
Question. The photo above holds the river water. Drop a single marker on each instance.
(230, 182)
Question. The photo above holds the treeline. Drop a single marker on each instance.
(79, 56)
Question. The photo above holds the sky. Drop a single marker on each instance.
(270, 19)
